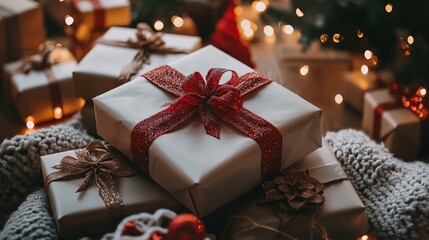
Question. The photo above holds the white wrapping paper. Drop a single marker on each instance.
(98, 71)
(201, 171)
(400, 128)
(342, 215)
(30, 92)
(356, 84)
(84, 214)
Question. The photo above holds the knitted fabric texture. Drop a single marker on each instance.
(395, 192)
(20, 172)
(31, 220)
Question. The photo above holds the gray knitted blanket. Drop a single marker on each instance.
(396, 193)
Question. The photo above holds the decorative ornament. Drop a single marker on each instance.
(296, 187)
(146, 226)
(186, 227)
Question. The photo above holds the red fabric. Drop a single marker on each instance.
(227, 38)
(214, 103)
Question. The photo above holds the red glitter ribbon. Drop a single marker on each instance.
(214, 103)
(378, 113)
(99, 14)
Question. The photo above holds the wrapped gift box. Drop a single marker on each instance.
(398, 127)
(33, 93)
(18, 20)
(84, 214)
(97, 73)
(356, 84)
(342, 215)
(201, 171)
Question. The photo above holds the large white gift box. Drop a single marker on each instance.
(99, 69)
(202, 172)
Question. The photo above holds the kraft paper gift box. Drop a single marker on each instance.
(355, 84)
(342, 215)
(38, 92)
(83, 214)
(100, 14)
(22, 29)
(402, 132)
(202, 172)
(99, 69)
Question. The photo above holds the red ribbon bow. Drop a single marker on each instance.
(214, 102)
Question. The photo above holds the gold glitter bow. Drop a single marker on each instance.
(147, 41)
(38, 61)
(96, 162)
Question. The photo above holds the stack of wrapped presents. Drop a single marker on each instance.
(183, 127)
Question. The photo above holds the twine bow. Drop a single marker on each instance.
(147, 41)
(214, 102)
(96, 162)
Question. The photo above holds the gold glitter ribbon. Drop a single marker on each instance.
(42, 61)
(96, 162)
(147, 41)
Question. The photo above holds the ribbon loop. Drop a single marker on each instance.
(96, 162)
(213, 102)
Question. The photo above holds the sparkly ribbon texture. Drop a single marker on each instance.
(214, 102)
(42, 62)
(96, 162)
(147, 41)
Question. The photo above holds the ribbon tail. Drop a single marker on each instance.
(110, 195)
(146, 131)
(60, 175)
(265, 134)
(131, 69)
(211, 125)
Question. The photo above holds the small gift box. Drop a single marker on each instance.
(355, 84)
(40, 86)
(97, 73)
(91, 189)
(207, 165)
(341, 214)
(100, 14)
(22, 29)
(402, 131)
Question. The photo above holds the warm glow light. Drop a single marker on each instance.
(245, 24)
(410, 39)
(238, 10)
(69, 20)
(288, 29)
(58, 113)
(248, 32)
(364, 69)
(364, 237)
(158, 25)
(268, 31)
(423, 92)
(338, 98)
(336, 38)
(359, 34)
(260, 6)
(368, 54)
(177, 21)
(58, 45)
(389, 8)
(29, 122)
(299, 13)
(324, 38)
(304, 70)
